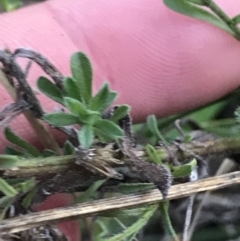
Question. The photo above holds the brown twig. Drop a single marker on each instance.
(39, 127)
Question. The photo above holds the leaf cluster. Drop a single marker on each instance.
(84, 109)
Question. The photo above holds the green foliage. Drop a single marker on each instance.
(68, 148)
(128, 188)
(90, 192)
(82, 74)
(15, 139)
(193, 10)
(164, 207)
(61, 119)
(131, 231)
(109, 128)
(7, 189)
(183, 170)
(86, 136)
(153, 154)
(177, 171)
(50, 89)
(84, 109)
(103, 99)
(71, 88)
(153, 127)
(10, 5)
(120, 113)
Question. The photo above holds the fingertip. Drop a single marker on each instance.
(70, 228)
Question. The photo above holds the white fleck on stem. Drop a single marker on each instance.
(185, 236)
(224, 168)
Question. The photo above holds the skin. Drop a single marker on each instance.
(159, 61)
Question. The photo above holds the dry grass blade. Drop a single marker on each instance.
(116, 203)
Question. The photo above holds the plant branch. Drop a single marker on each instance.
(164, 206)
(222, 15)
(28, 221)
(39, 127)
(106, 162)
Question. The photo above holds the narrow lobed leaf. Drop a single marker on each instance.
(68, 148)
(103, 99)
(71, 88)
(82, 73)
(85, 115)
(12, 151)
(75, 106)
(183, 170)
(48, 153)
(153, 127)
(7, 189)
(191, 10)
(50, 89)
(153, 154)
(90, 192)
(17, 140)
(236, 20)
(135, 228)
(120, 113)
(61, 119)
(109, 128)
(197, 2)
(102, 137)
(86, 136)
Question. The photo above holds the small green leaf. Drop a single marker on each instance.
(82, 73)
(85, 115)
(102, 136)
(50, 89)
(71, 88)
(7, 189)
(86, 136)
(75, 106)
(183, 170)
(120, 113)
(48, 153)
(236, 20)
(61, 119)
(153, 154)
(5, 203)
(8, 161)
(129, 188)
(25, 186)
(12, 151)
(153, 127)
(28, 199)
(134, 229)
(11, 5)
(109, 128)
(15, 139)
(68, 148)
(90, 192)
(188, 9)
(103, 99)
(197, 2)
(124, 213)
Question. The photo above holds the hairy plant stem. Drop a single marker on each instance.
(164, 206)
(30, 167)
(222, 15)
